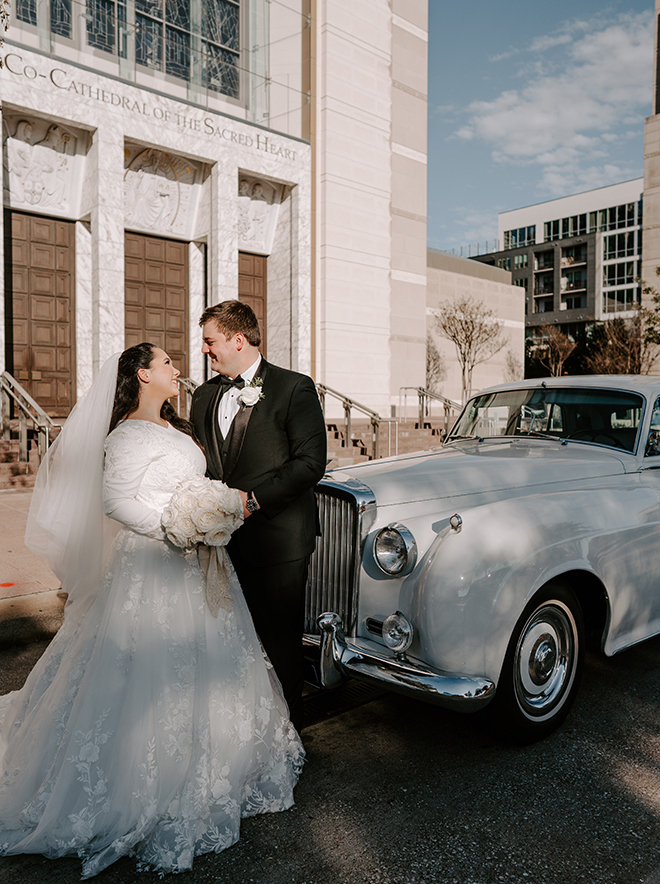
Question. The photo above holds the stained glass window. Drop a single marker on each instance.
(220, 70)
(177, 53)
(103, 19)
(165, 37)
(60, 17)
(148, 42)
(26, 10)
(177, 13)
(220, 23)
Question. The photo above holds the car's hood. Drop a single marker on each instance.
(472, 468)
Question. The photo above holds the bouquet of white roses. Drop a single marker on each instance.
(205, 511)
(202, 511)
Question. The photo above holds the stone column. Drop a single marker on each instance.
(104, 196)
(83, 302)
(196, 305)
(223, 239)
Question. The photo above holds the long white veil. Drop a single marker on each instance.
(66, 521)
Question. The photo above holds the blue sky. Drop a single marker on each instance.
(528, 102)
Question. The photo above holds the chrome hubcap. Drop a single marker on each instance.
(545, 659)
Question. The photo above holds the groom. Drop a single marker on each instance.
(264, 433)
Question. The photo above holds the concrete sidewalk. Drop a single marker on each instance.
(31, 601)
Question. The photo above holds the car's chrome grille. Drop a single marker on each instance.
(332, 581)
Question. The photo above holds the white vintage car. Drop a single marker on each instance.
(469, 575)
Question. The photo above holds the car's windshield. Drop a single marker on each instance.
(606, 417)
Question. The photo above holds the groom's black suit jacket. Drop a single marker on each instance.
(277, 449)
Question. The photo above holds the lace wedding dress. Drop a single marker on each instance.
(148, 727)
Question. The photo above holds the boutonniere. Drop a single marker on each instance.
(251, 393)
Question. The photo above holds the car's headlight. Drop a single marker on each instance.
(395, 550)
(397, 632)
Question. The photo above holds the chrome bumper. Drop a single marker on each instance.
(339, 657)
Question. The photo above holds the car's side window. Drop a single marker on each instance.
(653, 441)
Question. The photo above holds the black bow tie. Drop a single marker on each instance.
(227, 383)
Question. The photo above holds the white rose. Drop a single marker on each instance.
(250, 395)
(217, 537)
(206, 520)
(207, 500)
(184, 502)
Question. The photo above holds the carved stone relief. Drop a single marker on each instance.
(161, 191)
(258, 208)
(42, 165)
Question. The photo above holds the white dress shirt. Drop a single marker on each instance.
(230, 404)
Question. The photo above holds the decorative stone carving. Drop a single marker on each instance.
(41, 166)
(258, 208)
(161, 192)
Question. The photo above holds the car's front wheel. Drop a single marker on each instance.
(542, 667)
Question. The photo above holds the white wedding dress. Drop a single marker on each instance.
(148, 727)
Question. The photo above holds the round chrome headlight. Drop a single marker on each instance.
(397, 632)
(395, 550)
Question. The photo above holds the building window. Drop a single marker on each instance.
(522, 236)
(544, 283)
(165, 39)
(573, 302)
(106, 26)
(26, 10)
(543, 260)
(504, 263)
(550, 231)
(619, 300)
(576, 225)
(520, 261)
(614, 218)
(619, 274)
(60, 18)
(618, 245)
(574, 255)
(573, 279)
(544, 305)
(523, 282)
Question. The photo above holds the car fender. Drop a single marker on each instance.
(472, 584)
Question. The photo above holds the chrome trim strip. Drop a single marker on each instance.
(339, 657)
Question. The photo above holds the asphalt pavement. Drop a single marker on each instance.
(397, 792)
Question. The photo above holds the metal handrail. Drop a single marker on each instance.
(375, 418)
(186, 389)
(424, 396)
(28, 410)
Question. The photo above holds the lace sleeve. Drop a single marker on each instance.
(125, 466)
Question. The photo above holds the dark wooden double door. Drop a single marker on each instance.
(252, 288)
(39, 308)
(156, 292)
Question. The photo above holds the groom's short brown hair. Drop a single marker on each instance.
(232, 317)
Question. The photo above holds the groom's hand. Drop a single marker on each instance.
(244, 497)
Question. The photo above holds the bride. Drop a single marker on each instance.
(150, 726)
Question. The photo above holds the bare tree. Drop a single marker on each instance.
(475, 332)
(622, 346)
(436, 370)
(552, 348)
(513, 367)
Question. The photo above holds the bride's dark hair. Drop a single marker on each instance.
(127, 394)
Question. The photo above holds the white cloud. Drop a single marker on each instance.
(504, 55)
(568, 120)
(540, 44)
